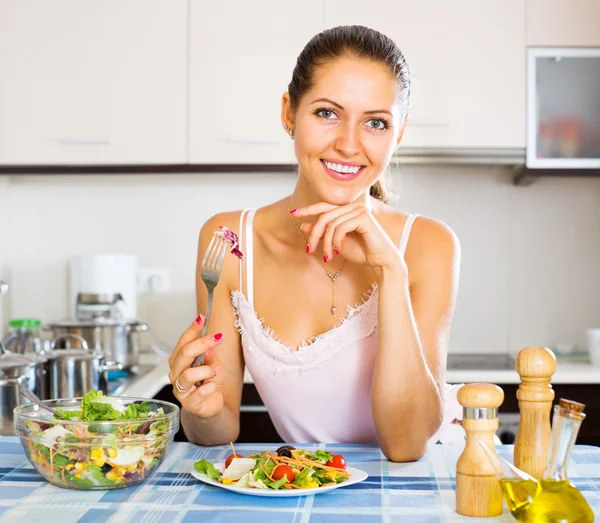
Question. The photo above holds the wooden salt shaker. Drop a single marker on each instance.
(477, 487)
(535, 365)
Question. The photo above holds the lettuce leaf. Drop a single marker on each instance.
(205, 467)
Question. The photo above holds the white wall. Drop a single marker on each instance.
(530, 272)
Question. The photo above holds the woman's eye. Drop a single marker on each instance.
(375, 123)
(325, 113)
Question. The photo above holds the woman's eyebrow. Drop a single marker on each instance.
(340, 107)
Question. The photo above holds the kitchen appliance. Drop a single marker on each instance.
(104, 274)
(73, 372)
(24, 337)
(16, 371)
(117, 339)
(563, 108)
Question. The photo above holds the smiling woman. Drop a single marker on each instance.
(341, 320)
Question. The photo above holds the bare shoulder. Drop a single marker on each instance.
(432, 244)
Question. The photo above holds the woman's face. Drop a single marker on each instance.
(346, 128)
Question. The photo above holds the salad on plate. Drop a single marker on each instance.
(286, 468)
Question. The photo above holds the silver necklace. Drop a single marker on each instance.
(332, 276)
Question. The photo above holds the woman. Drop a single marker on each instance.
(344, 326)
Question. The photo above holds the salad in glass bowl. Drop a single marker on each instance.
(97, 442)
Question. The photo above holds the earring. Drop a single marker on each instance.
(290, 132)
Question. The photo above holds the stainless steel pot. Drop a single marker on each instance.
(119, 340)
(17, 371)
(73, 372)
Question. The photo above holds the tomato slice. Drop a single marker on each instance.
(284, 470)
(230, 459)
(337, 461)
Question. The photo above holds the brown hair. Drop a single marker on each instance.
(362, 42)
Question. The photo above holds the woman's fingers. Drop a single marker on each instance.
(189, 377)
(189, 335)
(188, 353)
(332, 242)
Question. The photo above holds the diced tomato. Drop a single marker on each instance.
(230, 459)
(337, 462)
(284, 470)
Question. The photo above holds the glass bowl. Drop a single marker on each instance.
(96, 455)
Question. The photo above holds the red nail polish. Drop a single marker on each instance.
(307, 248)
(199, 319)
(325, 258)
(293, 211)
(337, 251)
(217, 337)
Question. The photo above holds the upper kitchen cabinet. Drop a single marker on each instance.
(241, 62)
(93, 82)
(467, 60)
(558, 23)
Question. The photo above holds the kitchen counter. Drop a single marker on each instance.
(423, 491)
(151, 383)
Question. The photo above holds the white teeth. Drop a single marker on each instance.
(342, 168)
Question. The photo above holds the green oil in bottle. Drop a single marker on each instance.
(552, 499)
(547, 501)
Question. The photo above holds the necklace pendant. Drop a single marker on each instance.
(333, 310)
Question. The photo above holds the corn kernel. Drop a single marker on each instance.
(121, 471)
(132, 467)
(112, 453)
(79, 466)
(69, 466)
(111, 475)
(227, 481)
(96, 453)
(78, 476)
(100, 462)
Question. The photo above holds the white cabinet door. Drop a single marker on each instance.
(468, 64)
(87, 82)
(241, 62)
(563, 23)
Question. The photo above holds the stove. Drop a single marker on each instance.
(491, 361)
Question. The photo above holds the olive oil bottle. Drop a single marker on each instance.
(552, 499)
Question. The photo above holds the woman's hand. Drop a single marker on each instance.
(350, 231)
(206, 400)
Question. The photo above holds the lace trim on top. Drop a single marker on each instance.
(359, 323)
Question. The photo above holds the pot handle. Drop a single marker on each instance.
(111, 365)
(84, 344)
(20, 381)
(138, 327)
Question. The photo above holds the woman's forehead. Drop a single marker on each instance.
(354, 82)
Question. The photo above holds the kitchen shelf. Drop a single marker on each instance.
(524, 176)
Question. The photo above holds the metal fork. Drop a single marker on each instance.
(212, 263)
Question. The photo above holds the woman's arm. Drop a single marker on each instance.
(414, 325)
(213, 418)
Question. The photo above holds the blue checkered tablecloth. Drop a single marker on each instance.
(423, 491)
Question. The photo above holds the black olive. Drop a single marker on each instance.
(105, 468)
(285, 451)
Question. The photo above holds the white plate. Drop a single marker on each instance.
(355, 477)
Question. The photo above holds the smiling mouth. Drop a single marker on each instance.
(343, 169)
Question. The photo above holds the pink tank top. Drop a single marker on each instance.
(320, 392)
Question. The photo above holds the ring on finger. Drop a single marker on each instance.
(179, 388)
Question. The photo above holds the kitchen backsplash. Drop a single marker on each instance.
(530, 272)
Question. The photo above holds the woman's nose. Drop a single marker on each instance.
(348, 140)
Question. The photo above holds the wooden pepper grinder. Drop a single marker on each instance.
(535, 365)
(477, 487)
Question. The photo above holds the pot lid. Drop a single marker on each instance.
(98, 322)
(11, 360)
(76, 354)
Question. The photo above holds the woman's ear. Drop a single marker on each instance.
(287, 114)
(402, 129)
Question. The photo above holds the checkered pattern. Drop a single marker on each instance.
(423, 491)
